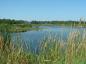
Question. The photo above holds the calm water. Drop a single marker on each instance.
(35, 37)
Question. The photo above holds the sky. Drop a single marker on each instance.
(43, 9)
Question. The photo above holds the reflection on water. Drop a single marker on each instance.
(33, 38)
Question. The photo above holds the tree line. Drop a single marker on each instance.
(12, 21)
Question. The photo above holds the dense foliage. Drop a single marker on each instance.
(10, 21)
(14, 25)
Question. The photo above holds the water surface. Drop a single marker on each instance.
(35, 37)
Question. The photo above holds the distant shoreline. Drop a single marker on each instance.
(22, 26)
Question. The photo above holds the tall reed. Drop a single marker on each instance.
(51, 51)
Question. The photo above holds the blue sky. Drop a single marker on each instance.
(43, 9)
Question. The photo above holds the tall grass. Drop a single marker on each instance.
(51, 51)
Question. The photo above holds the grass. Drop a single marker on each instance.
(22, 26)
(62, 23)
(15, 27)
(51, 51)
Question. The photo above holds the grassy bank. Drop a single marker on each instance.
(15, 27)
(60, 23)
(63, 24)
(52, 51)
(22, 26)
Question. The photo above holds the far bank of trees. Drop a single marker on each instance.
(12, 21)
(58, 22)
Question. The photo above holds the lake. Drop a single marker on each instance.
(33, 38)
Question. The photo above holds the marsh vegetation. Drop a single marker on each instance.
(51, 49)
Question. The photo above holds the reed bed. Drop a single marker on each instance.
(51, 51)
